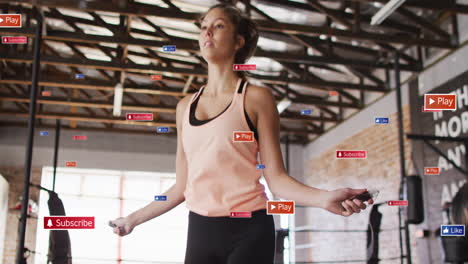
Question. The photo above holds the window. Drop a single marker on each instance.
(107, 195)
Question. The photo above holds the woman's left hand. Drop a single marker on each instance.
(338, 201)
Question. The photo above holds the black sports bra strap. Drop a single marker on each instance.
(241, 86)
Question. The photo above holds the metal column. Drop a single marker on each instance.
(57, 138)
(402, 161)
(30, 140)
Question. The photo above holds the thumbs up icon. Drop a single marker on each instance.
(339, 154)
(49, 223)
(445, 231)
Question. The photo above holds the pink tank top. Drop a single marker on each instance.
(222, 174)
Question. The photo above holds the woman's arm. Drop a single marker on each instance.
(279, 182)
(175, 194)
(175, 197)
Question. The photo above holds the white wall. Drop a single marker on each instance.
(381, 108)
(3, 212)
(101, 150)
(450, 67)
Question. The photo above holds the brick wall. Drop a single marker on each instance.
(380, 170)
(15, 177)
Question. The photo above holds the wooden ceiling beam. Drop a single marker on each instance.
(90, 86)
(99, 6)
(190, 45)
(423, 4)
(172, 133)
(137, 9)
(317, 83)
(54, 100)
(426, 25)
(334, 60)
(83, 118)
(154, 69)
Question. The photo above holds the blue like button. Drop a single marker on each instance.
(260, 166)
(160, 198)
(163, 129)
(79, 76)
(381, 120)
(452, 230)
(169, 48)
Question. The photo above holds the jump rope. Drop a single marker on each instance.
(370, 194)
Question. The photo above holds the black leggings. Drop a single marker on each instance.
(226, 240)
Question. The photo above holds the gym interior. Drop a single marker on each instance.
(387, 79)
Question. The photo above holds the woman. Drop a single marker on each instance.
(455, 248)
(216, 175)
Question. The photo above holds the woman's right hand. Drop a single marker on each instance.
(122, 226)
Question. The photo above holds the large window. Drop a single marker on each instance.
(107, 195)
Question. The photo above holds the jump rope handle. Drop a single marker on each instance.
(369, 194)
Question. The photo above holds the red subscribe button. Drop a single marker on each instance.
(14, 40)
(280, 207)
(397, 203)
(244, 67)
(80, 137)
(68, 222)
(140, 116)
(241, 214)
(351, 154)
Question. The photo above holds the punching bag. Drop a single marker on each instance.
(59, 240)
(415, 209)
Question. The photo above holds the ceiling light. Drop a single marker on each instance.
(283, 104)
(385, 11)
(323, 36)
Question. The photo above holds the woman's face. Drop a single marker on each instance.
(216, 40)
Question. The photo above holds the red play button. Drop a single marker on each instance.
(243, 136)
(440, 102)
(156, 77)
(431, 170)
(280, 207)
(70, 163)
(10, 20)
